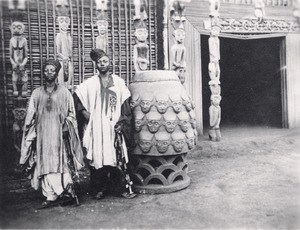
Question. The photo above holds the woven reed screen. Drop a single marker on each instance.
(41, 27)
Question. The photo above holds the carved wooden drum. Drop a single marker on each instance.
(165, 130)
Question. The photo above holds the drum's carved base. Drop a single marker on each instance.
(159, 174)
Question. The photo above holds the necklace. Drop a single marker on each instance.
(49, 100)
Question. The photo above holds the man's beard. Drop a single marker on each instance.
(103, 71)
(50, 80)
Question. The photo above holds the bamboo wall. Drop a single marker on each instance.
(41, 28)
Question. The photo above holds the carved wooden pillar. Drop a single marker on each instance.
(214, 72)
(178, 50)
(64, 44)
(259, 11)
(18, 53)
(141, 48)
(296, 5)
(102, 25)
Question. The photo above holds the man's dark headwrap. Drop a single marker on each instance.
(96, 54)
(53, 62)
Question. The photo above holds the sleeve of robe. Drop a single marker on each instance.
(29, 134)
(74, 140)
(125, 121)
(79, 116)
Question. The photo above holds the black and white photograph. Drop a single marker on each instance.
(150, 114)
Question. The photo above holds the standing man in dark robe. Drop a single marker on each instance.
(51, 147)
(102, 102)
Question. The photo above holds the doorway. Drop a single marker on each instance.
(250, 82)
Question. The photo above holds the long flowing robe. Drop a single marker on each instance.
(43, 144)
(104, 106)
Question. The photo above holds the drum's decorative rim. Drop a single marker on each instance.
(155, 76)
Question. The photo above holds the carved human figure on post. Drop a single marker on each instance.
(259, 10)
(101, 8)
(20, 4)
(177, 9)
(214, 118)
(214, 6)
(62, 7)
(141, 49)
(178, 54)
(18, 57)
(140, 9)
(64, 46)
(19, 115)
(102, 38)
(214, 54)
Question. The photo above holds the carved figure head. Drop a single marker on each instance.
(184, 121)
(215, 100)
(134, 101)
(154, 121)
(102, 26)
(187, 102)
(138, 119)
(215, 31)
(162, 104)
(145, 141)
(146, 102)
(163, 140)
(179, 35)
(178, 141)
(190, 139)
(63, 23)
(19, 114)
(176, 103)
(141, 34)
(170, 121)
(215, 87)
(180, 71)
(193, 119)
(17, 28)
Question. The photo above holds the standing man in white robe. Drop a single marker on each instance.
(102, 101)
(50, 140)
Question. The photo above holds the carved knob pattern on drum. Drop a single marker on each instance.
(163, 112)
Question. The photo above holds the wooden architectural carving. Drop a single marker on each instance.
(178, 53)
(230, 25)
(101, 8)
(259, 11)
(102, 38)
(18, 58)
(141, 48)
(17, 5)
(178, 50)
(64, 45)
(214, 72)
(214, 118)
(214, 6)
(140, 9)
(177, 9)
(296, 5)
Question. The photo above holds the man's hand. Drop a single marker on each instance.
(118, 128)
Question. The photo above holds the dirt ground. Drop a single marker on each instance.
(251, 179)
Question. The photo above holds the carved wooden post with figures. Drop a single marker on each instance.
(102, 25)
(18, 53)
(214, 72)
(64, 44)
(141, 48)
(178, 50)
